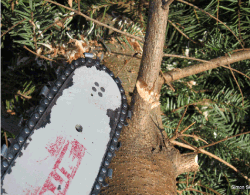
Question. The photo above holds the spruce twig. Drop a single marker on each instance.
(13, 27)
(41, 56)
(190, 4)
(97, 22)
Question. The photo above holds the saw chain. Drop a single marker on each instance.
(69, 140)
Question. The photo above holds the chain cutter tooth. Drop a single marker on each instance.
(44, 92)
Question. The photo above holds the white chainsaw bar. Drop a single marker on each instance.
(67, 144)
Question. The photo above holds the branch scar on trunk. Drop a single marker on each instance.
(147, 94)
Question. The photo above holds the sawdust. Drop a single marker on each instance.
(115, 62)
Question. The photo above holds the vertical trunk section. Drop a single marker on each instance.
(144, 165)
(148, 77)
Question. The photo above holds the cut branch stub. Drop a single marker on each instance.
(187, 163)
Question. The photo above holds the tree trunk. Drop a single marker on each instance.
(146, 163)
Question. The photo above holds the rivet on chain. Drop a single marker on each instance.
(20, 139)
(112, 148)
(97, 63)
(27, 131)
(10, 156)
(16, 147)
(31, 124)
(100, 179)
(36, 115)
(76, 63)
(117, 133)
(97, 186)
(63, 77)
(89, 60)
(124, 97)
(72, 67)
(5, 164)
(119, 125)
(125, 106)
(40, 109)
(82, 60)
(123, 112)
(106, 163)
(54, 89)
(109, 154)
(104, 67)
(67, 72)
(46, 102)
(115, 140)
(58, 83)
(104, 170)
(50, 96)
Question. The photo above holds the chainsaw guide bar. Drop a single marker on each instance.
(70, 138)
